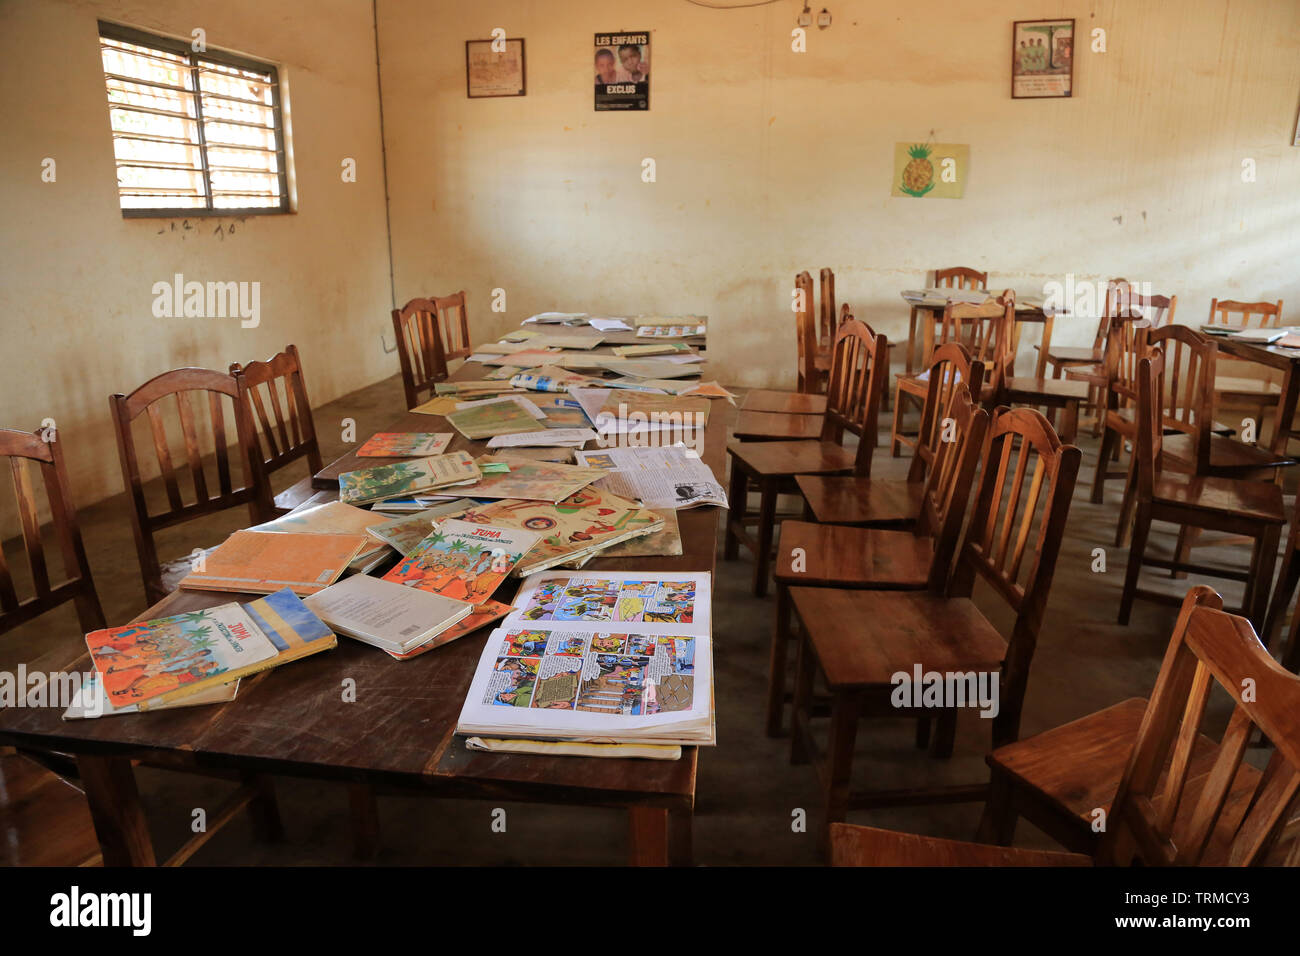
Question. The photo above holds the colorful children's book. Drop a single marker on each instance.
(266, 561)
(405, 445)
(463, 561)
(602, 658)
(481, 616)
(91, 699)
(504, 417)
(154, 663)
(406, 532)
(530, 479)
(548, 378)
(386, 615)
(587, 521)
(406, 478)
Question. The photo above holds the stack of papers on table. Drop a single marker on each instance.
(529, 480)
(1259, 336)
(557, 318)
(547, 437)
(610, 325)
(599, 658)
(406, 478)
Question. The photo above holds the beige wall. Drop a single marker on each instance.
(75, 301)
(770, 162)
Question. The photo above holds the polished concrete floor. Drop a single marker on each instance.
(748, 794)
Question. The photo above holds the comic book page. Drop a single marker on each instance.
(599, 657)
(668, 477)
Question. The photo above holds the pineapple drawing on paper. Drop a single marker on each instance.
(918, 174)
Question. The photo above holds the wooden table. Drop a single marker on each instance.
(1027, 311)
(1287, 361)
(397, 737)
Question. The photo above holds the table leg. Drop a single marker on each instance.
(927, 336)
(911, 340)
(1286, 406)
(1044, 345)
(365, 821)
(115, 809)
(648, 831)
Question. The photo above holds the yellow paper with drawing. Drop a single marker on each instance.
(930, 170)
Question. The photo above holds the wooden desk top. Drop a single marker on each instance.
(400, 729)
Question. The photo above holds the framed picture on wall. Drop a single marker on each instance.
(494, 68)
(1042, 58)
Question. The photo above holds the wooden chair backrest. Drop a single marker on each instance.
(1268, 315)
(1006, 510)
(453, 325)
(826, 307)
(1125, 342)
(986, 331)
(950, 365)
(947, 490)
(1187, 392)
(859, 367)
(960, 277)
(280, 410)
(1156, 819)
(1150, 422)
(419, 348)
(182, 384)
(805, 332)
(40, 452)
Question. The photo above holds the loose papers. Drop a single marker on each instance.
(672, 477)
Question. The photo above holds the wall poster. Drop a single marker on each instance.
(623, 71)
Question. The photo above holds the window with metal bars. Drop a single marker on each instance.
(194, 134)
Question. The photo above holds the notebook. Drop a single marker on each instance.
(405, 445)
(385, 615)
(264, 561)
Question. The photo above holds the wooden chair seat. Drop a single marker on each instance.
(776, 426)
(1061, 797)
(868, 846)
(1044, 390)
(1129, 415)
(841, 556)
(1261, 500)
(44, 820)
(776, 458)
(787, 403)
(1256, 389)
(947, 635)
(1226, 455)
(1071, 355)
(861, 501)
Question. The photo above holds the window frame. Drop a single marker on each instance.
(125, 34)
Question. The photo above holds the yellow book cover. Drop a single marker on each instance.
(264, 561)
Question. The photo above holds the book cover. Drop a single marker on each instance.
(264, 561)
(384, 614)
(588, 520)
(462, 560)
(661, 348)
(495, 418)
(530, 479)
(333, 517)
(91, 699)
(405, 445)
(406, 478)
(148, 659)
(481, 616)
(294, 630)
(406, 532)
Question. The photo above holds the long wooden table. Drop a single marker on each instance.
(398, 735)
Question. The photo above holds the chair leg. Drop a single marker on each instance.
(894, 444)
(1282, 594)
(1136, 551)
(839, 754)
(766, 526)
(1187, 536)
(1103, 462)
(738, 499)
(263, 810)
(777, 665)
(801, 705)
(1070, 423)
(1126, 505)
(1262, 574)
(998, 822)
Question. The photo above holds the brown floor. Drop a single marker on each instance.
(747, 793)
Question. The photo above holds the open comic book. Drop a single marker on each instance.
(601, 658)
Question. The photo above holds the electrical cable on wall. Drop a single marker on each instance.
(732, 6)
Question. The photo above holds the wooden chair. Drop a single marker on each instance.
(1059, 358)
(836, 556)
(288, 432)
(853, 401)
(430, 333)
(1125, 343)
(27, 452)
(940, 630)
(1251, 508)
(1288, 652)
(1133, 761)
(977, 328)
(813, 359)
(957, 277)
(1246, 383)
(1172, 795)
(182, 384)
(826, 310)
(1036, 390)
(873, 503)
